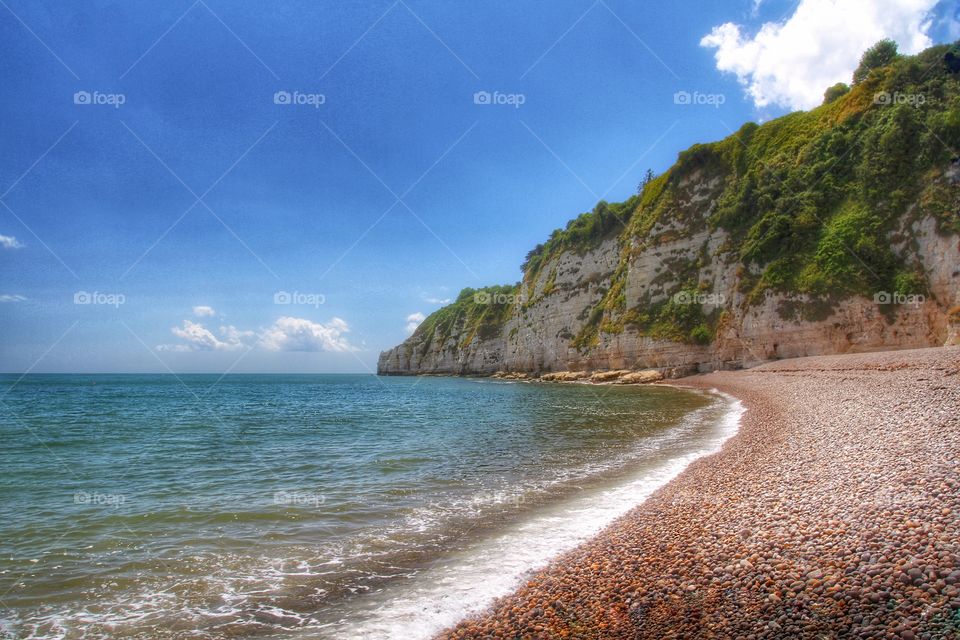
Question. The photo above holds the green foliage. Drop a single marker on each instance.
(879, 55)
(581, 234)
(678, 318)
(834, 92)
(952, 59)
(852, 255)
(476, 313)
(648, 177)
(907, 283)
(811, 199)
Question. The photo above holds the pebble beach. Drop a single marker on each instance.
(833, 513)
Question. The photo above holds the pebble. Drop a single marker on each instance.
(830, 514)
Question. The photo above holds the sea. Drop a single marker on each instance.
(312, 506)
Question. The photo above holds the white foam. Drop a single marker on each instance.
(467, 583)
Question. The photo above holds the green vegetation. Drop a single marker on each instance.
(812, 203)
(581, 234)
(836, 91)
(879, 55)
(679, 318)
(476, 313)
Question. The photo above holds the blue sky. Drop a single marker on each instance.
(211, 186)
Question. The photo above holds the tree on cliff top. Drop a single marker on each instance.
(879, 55)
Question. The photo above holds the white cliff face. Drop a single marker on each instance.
(539, 333)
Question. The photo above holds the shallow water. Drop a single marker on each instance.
(310, 506)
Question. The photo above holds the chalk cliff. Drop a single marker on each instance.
(828, 231)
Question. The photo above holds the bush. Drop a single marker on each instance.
(879, 55)
(836, 91)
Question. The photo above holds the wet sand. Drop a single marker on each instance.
(833, 513)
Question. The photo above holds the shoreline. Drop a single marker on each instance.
(834, 509)
(473, 578)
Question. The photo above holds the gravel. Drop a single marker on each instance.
(833, 513)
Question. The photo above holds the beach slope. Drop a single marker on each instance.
(834, 512)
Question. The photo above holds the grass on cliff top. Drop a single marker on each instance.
(812, 202)
(476, 313)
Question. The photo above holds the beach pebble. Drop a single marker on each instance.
(830, 514)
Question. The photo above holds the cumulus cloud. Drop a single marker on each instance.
(203, 310)
(197, 337)
(286, 334)
(791, 63)
(300, 334)
(11, 297)
(9, 242)
(414, 320)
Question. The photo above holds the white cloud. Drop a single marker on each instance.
(300, 334)
(14, 297)
(233, 335)
(199, 338)
(414, 320)
(203, 310)
(437, 300)
(791, 63)
(9, 242)
(286, 334)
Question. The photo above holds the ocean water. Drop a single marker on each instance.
(311, 506)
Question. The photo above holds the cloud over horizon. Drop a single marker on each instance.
(300, 334)
(285, 334)
(791, 63)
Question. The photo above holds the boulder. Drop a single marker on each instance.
(608, 376)
(641, 377)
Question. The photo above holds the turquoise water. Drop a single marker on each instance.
(201, 506)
